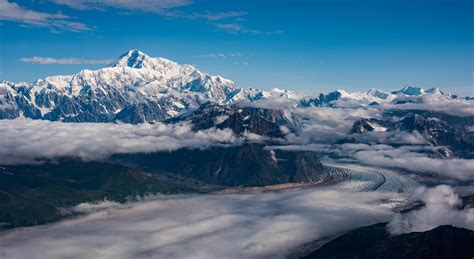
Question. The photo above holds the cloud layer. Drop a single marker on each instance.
(440, 208)
(252, 225)
(411, 158)
(433, 102)
(25, 140)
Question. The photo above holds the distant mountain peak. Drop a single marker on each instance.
(434, 91)
(377, 93)
(410, 90)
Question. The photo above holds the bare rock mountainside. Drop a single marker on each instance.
(375, 242)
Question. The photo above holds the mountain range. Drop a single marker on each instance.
(137, 88)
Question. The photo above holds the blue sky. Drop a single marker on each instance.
(308, 46)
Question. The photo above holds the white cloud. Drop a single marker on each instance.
(223, 55)
(167, 8)
(237, 28)
(64, 61)
(433, 102)
(136, 5)
(327, 125)
(440, 209)
(171, 9)
(11, 11)
(24, 140)
(250, 225)
(209, 16)
(413, 158)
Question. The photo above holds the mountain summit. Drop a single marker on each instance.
(137, 59)
(132, 58)
(410, 90)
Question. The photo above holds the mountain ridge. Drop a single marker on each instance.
(137, 88)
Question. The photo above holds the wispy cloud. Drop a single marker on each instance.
(224, 55)
(237, 57)
(137, 5)
(237, 28)
(245, 63)
(441, 208)
(166, 8)
(64, 61)
(171, 9)
(209, 16)
(413, 158)
(11, 11)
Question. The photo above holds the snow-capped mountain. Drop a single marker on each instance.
(373, 97)
(137, 88)
(417, 91)
(134, 88)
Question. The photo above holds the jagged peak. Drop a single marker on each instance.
(434, 90)
(410, 90)
(132, 58)
(135, 58)
(377, 93)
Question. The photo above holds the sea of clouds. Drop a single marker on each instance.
(244, 225)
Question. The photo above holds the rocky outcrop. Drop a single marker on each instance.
(375, 242)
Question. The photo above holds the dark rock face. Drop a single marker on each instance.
(276, 116)
(452, 120)
(264, 122)
(246, 165)
(374, 242)
(243, 121)
(363, 125)
(434, 130)
(140, 113)
(322, 100)
(205, 117)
